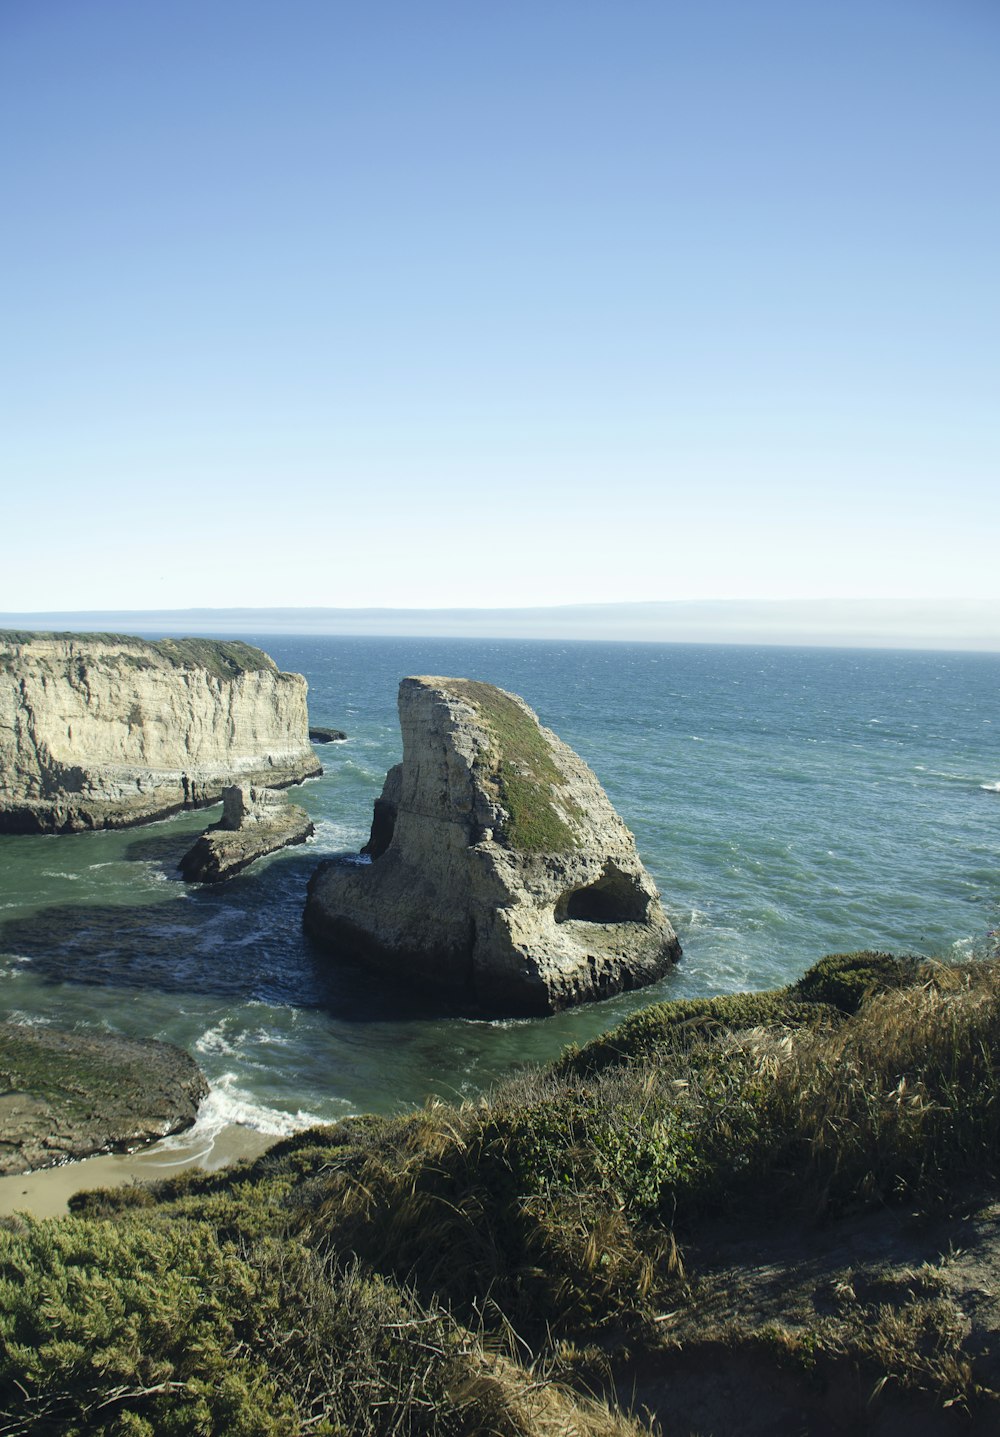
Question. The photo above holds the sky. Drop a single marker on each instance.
(422, 304)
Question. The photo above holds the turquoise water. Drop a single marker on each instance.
(789, 803)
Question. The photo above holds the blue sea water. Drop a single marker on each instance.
(788, 802)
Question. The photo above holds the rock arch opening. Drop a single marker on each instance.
(615, 897)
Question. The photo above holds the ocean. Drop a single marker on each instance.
(788, 802)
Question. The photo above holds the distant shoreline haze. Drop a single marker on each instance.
(847, 623)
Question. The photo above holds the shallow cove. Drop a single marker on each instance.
(788, 802)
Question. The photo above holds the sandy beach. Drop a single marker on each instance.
(45, 1193)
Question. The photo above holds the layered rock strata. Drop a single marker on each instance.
(102, 731)
(254, 823)
(499, 870)
(67, 1095)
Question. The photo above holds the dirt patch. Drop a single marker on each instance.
(886, 1325)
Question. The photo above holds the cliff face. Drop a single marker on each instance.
(102, 731)
(500, 871)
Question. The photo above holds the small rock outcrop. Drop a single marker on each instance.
(67, 1095)
(103, 731)
(499, 870)
(327, 735)
(255, 822)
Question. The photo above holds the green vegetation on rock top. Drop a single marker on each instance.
(525, 776)
(845, 980)
(222, 658)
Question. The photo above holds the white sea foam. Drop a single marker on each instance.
(268, 1038)
(249, 940)
(214, 1040)
(229, 1103)
(496, 1022)
(964, 949)
(990, 787)
(225, 1106)
(351, 765)
(338, 836)
(55, 873)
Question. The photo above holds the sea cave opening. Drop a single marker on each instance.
(615, 897)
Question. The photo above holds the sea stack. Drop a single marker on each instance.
(254, 823)
(103, 731)
(500, 872)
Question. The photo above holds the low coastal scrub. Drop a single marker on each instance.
(488, 1268)
(223, 658)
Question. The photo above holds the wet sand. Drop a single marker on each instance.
(45, 1193)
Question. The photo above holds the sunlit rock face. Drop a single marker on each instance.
(500, 872)
(103, 731)
(255, 822)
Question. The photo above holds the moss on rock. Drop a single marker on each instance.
(525, 778)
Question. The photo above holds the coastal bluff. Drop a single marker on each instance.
(107, 730)
(499, 872)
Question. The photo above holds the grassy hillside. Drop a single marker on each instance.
(223, 658)
(489, 1268)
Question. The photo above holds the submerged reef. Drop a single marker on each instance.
(70, 1094)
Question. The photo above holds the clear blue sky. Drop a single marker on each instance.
(427, 303)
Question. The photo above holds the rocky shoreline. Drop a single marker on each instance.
(67, 1095)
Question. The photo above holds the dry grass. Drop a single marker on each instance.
(554, 1213)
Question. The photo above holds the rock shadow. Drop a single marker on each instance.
(165, 850)
(242, 939)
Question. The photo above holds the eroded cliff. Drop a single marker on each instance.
(103, 730)
(500, 870)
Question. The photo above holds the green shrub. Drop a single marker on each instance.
(676, 1026)
(302, 1291)
(845, 980)
(105, 1326)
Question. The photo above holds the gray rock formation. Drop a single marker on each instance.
(327, 735)
(67, 1095)
(499, 869)
(255, 822)
(102, 731)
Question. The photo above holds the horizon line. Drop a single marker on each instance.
(954, 625)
